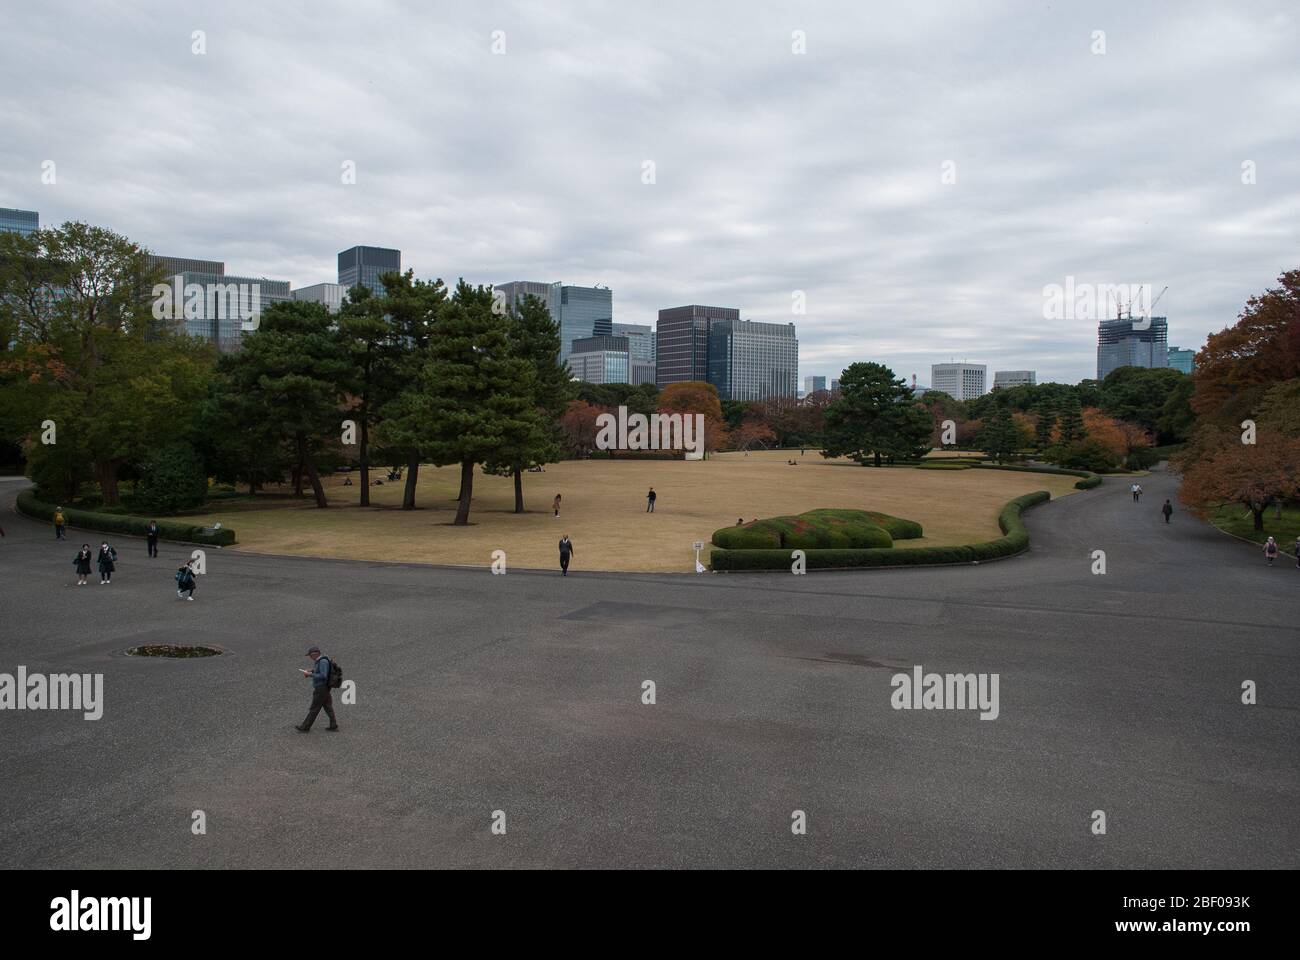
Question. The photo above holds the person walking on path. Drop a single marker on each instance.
(319, 676)
(650, 501)
(151, 536)
(59, 524)
(566, 551)
(1137, 491)
(185, 581)
(1167, 510)
(556, 505)
(82, 563)
(107, 563)
(1270, 550)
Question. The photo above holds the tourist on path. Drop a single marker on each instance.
(1137, 492)
(151, 536)
(1167, 510)
(1270, 550)
(566, 551)
(59, 524)
(82, 562)
(107, 563)
(185, 583)
(319, 676)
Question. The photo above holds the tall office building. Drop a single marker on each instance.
(229, 305)
(600, 359)
(516, 290)
(1006, 379)
(584, 312)
(640, 339)
(19, 221)
(749, 360)
(812, 384)
(581, 312)
(364, 265)
(330, 294)
(961, 381)
(1120, 344)
(1180, 359)
(682, 342)
(835, 386)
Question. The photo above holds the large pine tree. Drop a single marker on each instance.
(875, 416)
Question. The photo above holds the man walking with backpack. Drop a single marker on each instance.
(1167, 510)
(322, 677)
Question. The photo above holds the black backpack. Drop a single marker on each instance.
(335, 679)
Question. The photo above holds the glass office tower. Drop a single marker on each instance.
(749, 360)
(1120, 344)
(682, 342)
(365, 265)
(19, 221)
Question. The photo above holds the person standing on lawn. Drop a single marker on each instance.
(566, 551)
(650, 501)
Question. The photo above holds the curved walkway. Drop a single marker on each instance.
(523, 693)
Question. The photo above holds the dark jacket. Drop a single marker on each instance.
(566, 547)
(106, 560)
(82, 560)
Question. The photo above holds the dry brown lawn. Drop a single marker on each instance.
(604, 510)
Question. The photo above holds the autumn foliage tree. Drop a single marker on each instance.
(1226, 471)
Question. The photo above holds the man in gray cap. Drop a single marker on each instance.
(320, 692)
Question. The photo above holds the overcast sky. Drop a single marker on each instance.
(774, 171)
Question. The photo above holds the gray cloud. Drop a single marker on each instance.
(775, 172)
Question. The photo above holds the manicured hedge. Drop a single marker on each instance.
(823, 529)
(945, 465)
(1089, 480)
(117, 523)
(1014, 540)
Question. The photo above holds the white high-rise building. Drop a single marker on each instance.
(961, 381)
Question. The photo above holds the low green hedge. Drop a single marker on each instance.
(1089, 480)
(116, 523)
(1015, 539)
(823, 529)
(945, 465)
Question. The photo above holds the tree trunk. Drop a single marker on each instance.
(297, 479)
(412, 472)
(107, 476)
(466, 492)
(877, 458)
(519, 490)
(1259, 518)
(310, 465)
(365, 458)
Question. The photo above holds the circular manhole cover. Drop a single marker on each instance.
(172, 651)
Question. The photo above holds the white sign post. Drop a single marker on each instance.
(699, 545)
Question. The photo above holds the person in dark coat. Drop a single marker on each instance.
(650, 499)
(566, 551)
(107, 563)
(82, 562)
(185, 581)
(151, 535)
(1167, 510)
